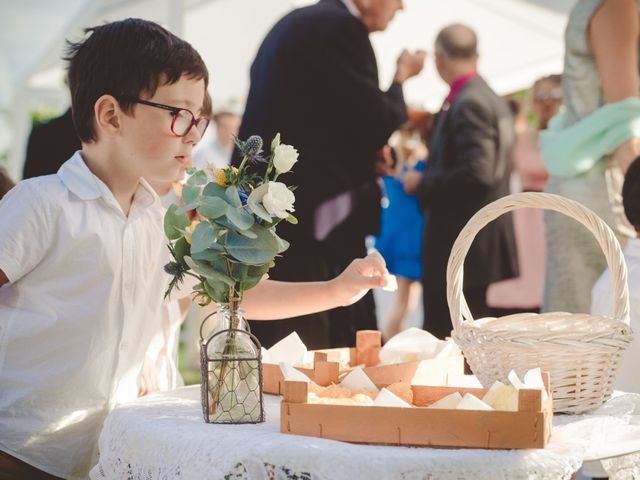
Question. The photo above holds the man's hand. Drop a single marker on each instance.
(361, 275)
(409, 65)
(411, 181)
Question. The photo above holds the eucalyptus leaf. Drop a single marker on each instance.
(214, 190)
(182, 249)
(212, 207)
(252, 251)
(202, 237)
(283, 245)
(240, 271)
(174, 222)
(199, 177)
(188, 207)
(242, 219)
(233, 196)
(208, 255)
(219, 291)
(251, 282)
(259, 270)
(190, 194)
(225, 223)
(202, 268)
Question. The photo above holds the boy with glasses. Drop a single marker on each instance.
(82, 251)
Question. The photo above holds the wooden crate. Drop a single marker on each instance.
(327, 367)
(529, 427)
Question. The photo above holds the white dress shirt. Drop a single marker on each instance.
(628, 378)
(83, 301)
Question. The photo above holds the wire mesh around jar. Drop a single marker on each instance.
(231, 388)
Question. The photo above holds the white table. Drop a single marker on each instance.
(163, 436)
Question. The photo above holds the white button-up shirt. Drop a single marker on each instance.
(628, 378)
(83, 300)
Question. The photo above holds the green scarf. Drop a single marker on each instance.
(569, 152)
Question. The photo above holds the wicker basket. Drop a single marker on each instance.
(582, 352)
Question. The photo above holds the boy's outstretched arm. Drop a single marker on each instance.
(3, 278)
(271, 300)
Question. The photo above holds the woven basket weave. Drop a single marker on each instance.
(581, 351)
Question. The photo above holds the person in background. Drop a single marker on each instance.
(469, 166)
(589, 145)
(315, 81)
(602, 295)
(401, 222)
(50, 144)
(218, 150)
(524, 293)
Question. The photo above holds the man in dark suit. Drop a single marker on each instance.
(50, 145)
(315, 80)
(469, 166)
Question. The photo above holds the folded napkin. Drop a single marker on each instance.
(414, 344)
(289, 350)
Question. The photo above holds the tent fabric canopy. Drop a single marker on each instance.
(519, 40)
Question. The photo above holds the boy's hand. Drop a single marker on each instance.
(148, 380)
(361, 275)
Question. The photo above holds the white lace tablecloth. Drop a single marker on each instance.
(163, 436)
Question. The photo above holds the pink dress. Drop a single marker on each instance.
(525, 291)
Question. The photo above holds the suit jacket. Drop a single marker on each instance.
(315, 80)
(469, 166)
(50, 145)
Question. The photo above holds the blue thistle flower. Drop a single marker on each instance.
(253, 146)
(243, 196)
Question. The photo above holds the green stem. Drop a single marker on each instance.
(241, 167)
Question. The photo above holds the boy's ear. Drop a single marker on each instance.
(107, 115)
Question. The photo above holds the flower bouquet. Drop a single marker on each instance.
(229, 248)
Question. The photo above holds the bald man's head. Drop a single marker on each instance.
(457, 42)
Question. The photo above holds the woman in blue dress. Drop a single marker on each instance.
(400, 239)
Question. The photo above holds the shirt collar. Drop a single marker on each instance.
(353, 10)
(458, 85)
(77, 177)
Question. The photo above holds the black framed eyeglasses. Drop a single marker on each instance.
(183, 118)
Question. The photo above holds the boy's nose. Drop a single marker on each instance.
(193, 136)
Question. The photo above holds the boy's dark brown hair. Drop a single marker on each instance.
(124, 59)
(631, 194)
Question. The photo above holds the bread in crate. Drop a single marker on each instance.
(527, 427)
(330, 365)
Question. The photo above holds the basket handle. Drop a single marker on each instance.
(604, 235)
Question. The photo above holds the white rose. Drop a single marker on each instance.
(284, 158)
(278, 200)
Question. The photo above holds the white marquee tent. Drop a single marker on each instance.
(520, 40)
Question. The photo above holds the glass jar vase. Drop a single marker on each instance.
(231, 372)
